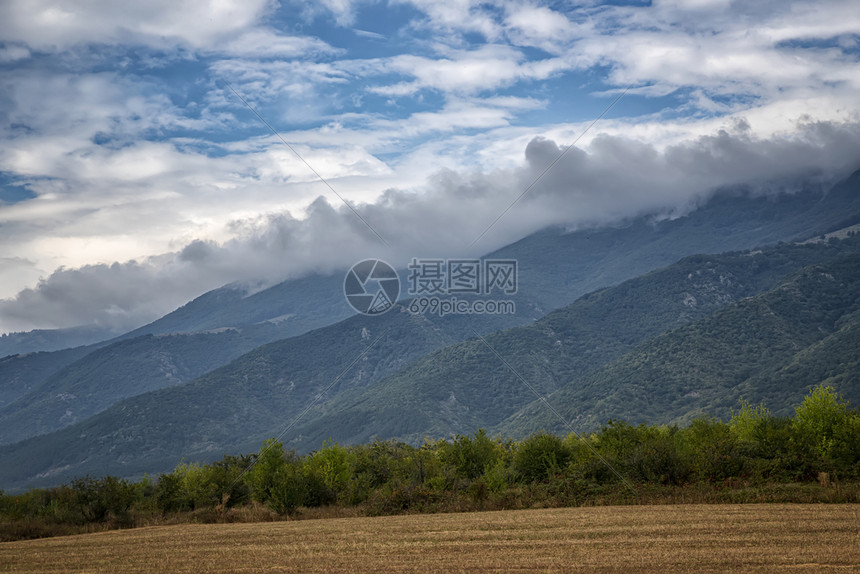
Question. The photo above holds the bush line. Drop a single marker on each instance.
(813, 456)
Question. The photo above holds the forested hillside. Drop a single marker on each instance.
(366, 377)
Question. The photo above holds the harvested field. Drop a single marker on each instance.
(701, 538)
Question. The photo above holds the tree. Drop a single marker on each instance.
(98, 499)
(713, 450)
(281, 480)
(333, 464)
(748, 422)
(471, 457)
(271, 480)
(540, 456)
(817, 419)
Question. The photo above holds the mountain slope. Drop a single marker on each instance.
(19, 374)
(466, 386)
(453, 390)
(555, 267)
(297, 305)
(232, 408)
(120, 370)
(57, 394)
(43, 340)
(769, 348)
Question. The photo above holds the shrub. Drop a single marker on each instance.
(168, 494)
(225, 475)
(497, 477)
(712, 449)
(747, 423)
(845, 446)
(281, 481)
(333, 465)
(817, 419)
(639, 453)
(387, 461)
(470, 456)
(540, 456)
(97, 499)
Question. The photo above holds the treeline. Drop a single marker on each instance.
(755, 456)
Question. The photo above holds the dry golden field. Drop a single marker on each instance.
(702, 538)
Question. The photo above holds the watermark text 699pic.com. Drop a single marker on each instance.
(436, 285)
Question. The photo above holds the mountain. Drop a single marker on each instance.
(555, 267)
(67, 387)
(20, 373)
(772, 347)
(233, 407)
(296, 305)
(52, 339)
(126, 368)
(470, 385)
(391, 387)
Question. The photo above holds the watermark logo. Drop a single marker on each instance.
(435, 285)
(371, 287)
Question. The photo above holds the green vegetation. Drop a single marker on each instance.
(747, 458)
(684, 341)
(114, 372)
(771, 347)
(688, 340)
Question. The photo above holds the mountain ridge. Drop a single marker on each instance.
(244, 401)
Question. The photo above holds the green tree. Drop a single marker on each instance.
(817, 419)
(282, 481)
(540, 456)
(846, 444)
(747, 423)
(470, 456)
(272, 480)
(98, 499)
(168, 494)
(333, 464)
(189, 486)
(712, 449)
(225, 475)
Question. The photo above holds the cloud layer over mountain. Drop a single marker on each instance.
(132, 177)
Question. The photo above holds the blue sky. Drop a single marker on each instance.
(132, 178)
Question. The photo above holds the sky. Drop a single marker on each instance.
(151, 151)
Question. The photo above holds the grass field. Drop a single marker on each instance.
(703, 538)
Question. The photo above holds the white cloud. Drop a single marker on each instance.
(720, 48)
(267, 43)
(342, 10)
(205, 26)
(368, 34)
(297, 92)
(736, 49)
(54, 25)
(454, 17)
(179, 176)
(614, 177)
(541, 27)
(485, 69)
